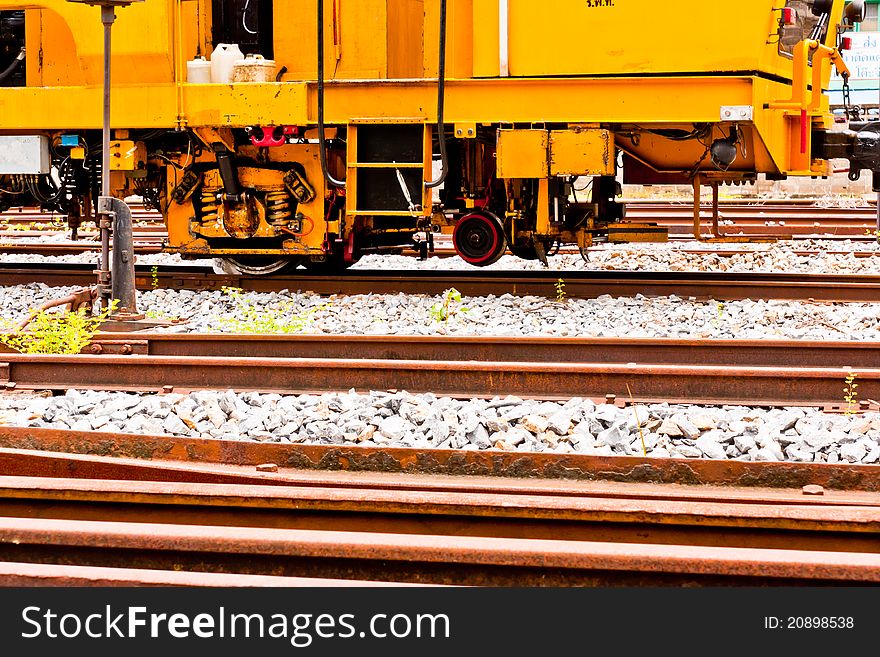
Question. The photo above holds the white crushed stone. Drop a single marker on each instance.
(506, 315)
(671, 256)
(833, 257)
(161, 259)
(425, 421)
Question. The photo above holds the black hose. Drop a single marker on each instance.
(9, 70)
(322, 145)
(441, 102)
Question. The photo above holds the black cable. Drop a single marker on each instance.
(441, 101)
(700, 131)
(322, 145)
(9, 70)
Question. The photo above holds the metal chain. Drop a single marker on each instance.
(852, 112)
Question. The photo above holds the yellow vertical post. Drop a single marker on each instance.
(351, 171)
(697, 184)
(715, 198)
(543, 225)
(337, 31)
(178, 62)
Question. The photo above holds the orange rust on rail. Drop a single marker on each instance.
(496, 560)
(448, 462)
(758, 385)
(36, 574)
(677, 351)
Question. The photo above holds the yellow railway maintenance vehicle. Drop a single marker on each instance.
(370, 124)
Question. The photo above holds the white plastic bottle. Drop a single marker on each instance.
(198, 71)
(222, 60)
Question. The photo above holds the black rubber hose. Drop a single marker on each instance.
(322, 144)
(441, 102)
(9, 70)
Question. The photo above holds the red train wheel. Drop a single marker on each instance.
(479, 239)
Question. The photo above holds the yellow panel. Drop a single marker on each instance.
(69, 40)
(629, 37)
(522, 154)
(355, 45)
(127, 155)
(406, 24)
(581, 152)
(459, 39)
(485, 39)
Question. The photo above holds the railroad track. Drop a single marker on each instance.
(768, 373)
(141, 246)
(794, 219)
(151, 244)
(126, 505)
(578, 284)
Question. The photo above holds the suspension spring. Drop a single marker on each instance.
(210, 205)
(278, 212)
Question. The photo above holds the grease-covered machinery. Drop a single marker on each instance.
(513, 123)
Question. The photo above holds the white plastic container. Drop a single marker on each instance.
(198, 71)
(222, 60)
(254, 68)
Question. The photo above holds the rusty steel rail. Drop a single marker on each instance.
(709, 384)
(71, 248)
(72, 466)
(296, 504)
(668, 351)
(469, 560)
(579, 284)
(376, 514)
(155, 458)
(473, 560)
(38, 574)
(395, 536)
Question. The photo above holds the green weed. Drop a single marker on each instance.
(850, 394)
(251, 318)
(561, 294)
(57, 332)
(449, 306)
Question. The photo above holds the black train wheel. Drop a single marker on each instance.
(257, 265)
(479, 239)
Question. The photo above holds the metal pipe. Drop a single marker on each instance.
(178, 66)
(116, 281)
(504, 38)
(9, 70)
(441, 102)
(322, 144)
(108, 16)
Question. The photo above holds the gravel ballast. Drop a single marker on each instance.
(510, 424)
(833, 257)
(425, 421)
(506, 315)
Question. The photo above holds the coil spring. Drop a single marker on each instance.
(210, 205)
(278, 211)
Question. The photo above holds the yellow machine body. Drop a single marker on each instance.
(535, 96)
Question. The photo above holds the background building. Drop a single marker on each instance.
(864, 62)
